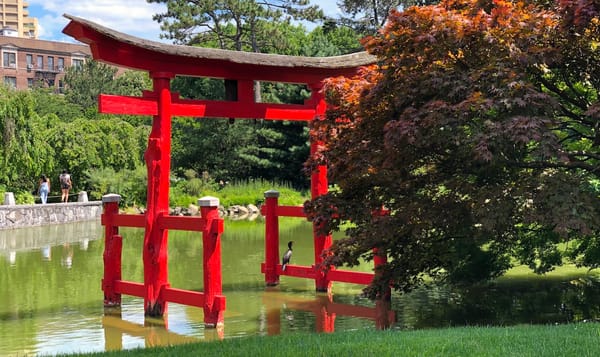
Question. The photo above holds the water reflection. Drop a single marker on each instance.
(154, 332)
(280, 307)
(43, 238)
(52, 303)
(506, 302)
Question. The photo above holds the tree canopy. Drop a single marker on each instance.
(232, 24)
(368, 16)
(471, 146)
(247, 149)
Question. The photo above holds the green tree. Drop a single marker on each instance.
(84, 83)
(248, 149)
(367, 16)
(25, 153)
(471, 143)
(331, 40)
(83, 145)
(232, 24)
(132, 83)
(47, 102)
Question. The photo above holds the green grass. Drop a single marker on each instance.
(565, 271)
(243, 193)
(525, 340)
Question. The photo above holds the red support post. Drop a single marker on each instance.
(383, 301)
(319, 186)
(380, 258)
(158, 162)
(271, 238)
(113, 243)
(211, 239)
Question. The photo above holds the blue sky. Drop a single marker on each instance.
(133, 17)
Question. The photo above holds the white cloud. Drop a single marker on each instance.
(133, 17)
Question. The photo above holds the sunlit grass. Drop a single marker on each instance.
(253, 191)
(244, 193)
(561, 272)
(525, 340)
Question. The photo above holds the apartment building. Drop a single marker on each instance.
(14, 14)
(27, 62)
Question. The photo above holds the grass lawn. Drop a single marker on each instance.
(579, 339)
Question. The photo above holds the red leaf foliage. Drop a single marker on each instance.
(476, 116)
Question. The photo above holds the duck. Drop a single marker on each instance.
(287, 256)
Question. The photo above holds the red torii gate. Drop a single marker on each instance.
(163, 62)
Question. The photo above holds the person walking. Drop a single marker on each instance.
(65, 185)
(44, 188)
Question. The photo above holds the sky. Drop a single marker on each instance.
(133, 17)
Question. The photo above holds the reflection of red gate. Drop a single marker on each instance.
(239, 70)
(325, 311)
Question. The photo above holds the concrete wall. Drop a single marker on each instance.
(16, 216)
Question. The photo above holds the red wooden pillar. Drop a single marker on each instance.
(211, 239)
(271, 238)
(158, 163)
(380, 258)
(383, 302)
(319, 186)
(113, 243)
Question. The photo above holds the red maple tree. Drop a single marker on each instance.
(478, 130)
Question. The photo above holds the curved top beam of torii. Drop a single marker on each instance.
(128, 51)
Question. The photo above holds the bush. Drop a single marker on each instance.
(130, 184)
(239, 193)
(21, 197)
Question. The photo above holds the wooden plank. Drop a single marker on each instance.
(129, 288)
(184, 297)
(191, 298)
(241, 110)
(291, 211)
(129, 220)
(350, 277)
(184, 223)
(120, 104)
(115, 104)
(297, 271)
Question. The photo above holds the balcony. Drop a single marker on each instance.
(46, 69)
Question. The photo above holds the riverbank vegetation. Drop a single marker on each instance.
(525, 340)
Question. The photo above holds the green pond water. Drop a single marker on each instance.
(51, 301)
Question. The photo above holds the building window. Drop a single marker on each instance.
(29, 58)
(50, 63)
(10, 81)
(9, 59)
(40, 62)
(61, 64)
(29, 82)
(78, 63)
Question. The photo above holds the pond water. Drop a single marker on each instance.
(51, 301)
